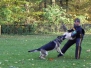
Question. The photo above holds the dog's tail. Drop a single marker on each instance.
(34, 50)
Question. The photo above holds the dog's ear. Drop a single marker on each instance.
(59, 37)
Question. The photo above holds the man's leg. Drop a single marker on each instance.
(78, 48)
(66, 46)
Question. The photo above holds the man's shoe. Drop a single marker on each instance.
(60, 55)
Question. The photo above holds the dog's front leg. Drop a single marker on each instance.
(59, 50)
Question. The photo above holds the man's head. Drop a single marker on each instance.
(76, 21)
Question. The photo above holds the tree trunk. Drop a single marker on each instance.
(61, 3)
(27, 10)
(66, 5)
(0, 29)
(53, 2)
(44, 3)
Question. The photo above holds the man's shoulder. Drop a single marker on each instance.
(83, 31)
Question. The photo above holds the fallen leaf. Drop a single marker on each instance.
(50, 59)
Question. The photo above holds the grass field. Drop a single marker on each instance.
(13, 53)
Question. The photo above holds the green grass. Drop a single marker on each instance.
(13, 53)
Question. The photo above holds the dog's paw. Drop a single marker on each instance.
(41, 57)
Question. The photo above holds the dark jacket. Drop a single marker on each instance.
(80, 31)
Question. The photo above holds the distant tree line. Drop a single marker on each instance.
(36, 12)
(28, 11)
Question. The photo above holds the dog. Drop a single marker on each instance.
(54, 44)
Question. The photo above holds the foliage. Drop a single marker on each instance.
(23, 11)
(80, 8)
(18, 29)
(55, 14)
(82, 18)
(27, 12)
(38, 28)
(5, 14)
(38, 15)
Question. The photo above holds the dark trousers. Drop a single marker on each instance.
(78, 46)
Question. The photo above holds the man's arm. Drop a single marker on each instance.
(80, 32)
(71, 30)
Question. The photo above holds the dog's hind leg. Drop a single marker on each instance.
(43, 53)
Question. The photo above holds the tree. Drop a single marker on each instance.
(55, 15)
(13, 11)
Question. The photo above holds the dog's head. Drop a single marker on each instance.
(59, 39)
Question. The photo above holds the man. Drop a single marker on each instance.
(78, 39)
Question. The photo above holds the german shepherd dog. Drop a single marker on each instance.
(54, 44)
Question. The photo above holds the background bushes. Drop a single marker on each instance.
(38, 29)
(17, 29)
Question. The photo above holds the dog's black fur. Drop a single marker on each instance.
(55, 44)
